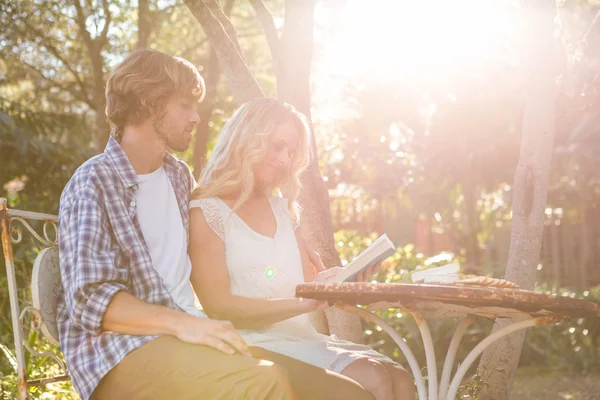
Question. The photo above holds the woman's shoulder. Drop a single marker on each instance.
(212, 214)
(204, 202)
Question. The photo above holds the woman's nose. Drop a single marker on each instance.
(284, 160)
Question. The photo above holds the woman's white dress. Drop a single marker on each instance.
(261, 267)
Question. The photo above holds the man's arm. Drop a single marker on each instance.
(88, 267)
(129, 315)
(96, 288)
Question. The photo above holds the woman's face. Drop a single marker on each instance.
(281, 148)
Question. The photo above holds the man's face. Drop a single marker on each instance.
(176, 123)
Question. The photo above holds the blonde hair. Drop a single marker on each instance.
(143, 83)
(243, 143)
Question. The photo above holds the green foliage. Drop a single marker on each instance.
(39, 153)
(570, 344)
(41, 150)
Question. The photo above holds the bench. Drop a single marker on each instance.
(45, 285)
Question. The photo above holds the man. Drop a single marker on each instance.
(129, 328)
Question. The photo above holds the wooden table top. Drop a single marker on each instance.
(447, 300)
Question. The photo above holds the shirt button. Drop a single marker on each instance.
(132, 204)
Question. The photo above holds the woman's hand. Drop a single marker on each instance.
(313, 257)
(363, 276)
(366, 274)
(328, 274)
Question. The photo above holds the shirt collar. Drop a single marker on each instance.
(121, 164)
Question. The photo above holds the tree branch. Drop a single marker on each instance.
(595, 25)
(224, 20)
(241, 80)
(107, 21)
(57, 54)
(80, 19)
(81, 96)
(266, 20)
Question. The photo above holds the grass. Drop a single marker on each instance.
(552, 384)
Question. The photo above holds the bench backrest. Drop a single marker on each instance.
(45, 287)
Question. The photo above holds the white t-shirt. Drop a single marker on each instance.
(162, 227)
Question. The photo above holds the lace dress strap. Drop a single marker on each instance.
(212, 214)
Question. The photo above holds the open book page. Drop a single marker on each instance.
(379, 250)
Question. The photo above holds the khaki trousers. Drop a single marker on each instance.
(167, 368)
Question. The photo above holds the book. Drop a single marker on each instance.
(379, 250)
(445, 274)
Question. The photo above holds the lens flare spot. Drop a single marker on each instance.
(270, 272)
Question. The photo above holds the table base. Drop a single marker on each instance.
(447, 389)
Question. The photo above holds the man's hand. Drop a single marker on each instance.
(213, 333)
(310, 305)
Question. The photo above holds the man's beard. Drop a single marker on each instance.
(164, 128)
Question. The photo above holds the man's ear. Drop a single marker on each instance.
(153, 108)
(148, 108)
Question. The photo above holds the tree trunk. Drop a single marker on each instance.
(500, 361)
(241, 81)
(211, 80)
(102, 131)
(144, 24)
(585, 252)
(212, 75)
(94, 47)
(293, 86)
(471, 228)
(557, 249)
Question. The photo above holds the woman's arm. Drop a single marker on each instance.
(210, 280)
(314, 270)
(131, 316)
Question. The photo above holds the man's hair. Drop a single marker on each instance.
(243, 143)
(142, 84)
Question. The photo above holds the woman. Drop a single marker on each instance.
(245, 247)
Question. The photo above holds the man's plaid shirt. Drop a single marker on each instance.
(102, 251)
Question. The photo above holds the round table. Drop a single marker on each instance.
(423, 301)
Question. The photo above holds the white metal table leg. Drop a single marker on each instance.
(450, 356)
(477, 350)
(429, 354)
(412, 361)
